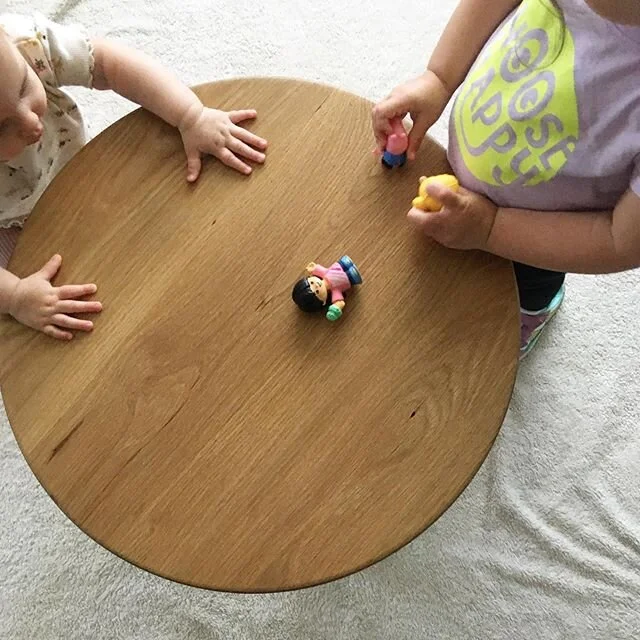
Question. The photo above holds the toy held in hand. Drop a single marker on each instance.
(395, 153)
(428, 203)
(323, 288)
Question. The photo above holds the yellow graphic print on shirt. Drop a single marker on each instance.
(516, 117)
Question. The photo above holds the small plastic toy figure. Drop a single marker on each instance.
(395, 153)
(324, 287)
(426, 202)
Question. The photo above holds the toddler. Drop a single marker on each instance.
(544, 139)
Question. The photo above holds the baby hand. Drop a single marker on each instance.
(217, 133)
(424, 98)
(36, 303)
(464, 222)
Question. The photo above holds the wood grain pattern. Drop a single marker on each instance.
(207, 430)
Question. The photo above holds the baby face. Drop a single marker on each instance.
(23, 102)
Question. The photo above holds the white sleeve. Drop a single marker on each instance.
(61, 55)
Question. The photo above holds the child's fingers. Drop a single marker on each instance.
(194, 166)
(381, 129)
(78, 306)
(418, 216)
(73, 291)
(428, 221)
(381, 142)
(242, 115)
(417, 134)
(227, 157)
(52, 267)
(443, 194)
(387, 119)
(249, 138)
(391, 107)
(69, 322)
(239, 147)
(380, 119)
(58, 334)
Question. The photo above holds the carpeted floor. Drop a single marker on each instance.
(545, 542)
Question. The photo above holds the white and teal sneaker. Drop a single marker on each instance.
(532, 323)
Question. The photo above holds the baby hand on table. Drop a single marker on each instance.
(464, 222)
(217, 133)
(36, 303)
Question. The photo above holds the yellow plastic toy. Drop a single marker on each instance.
(424, 201)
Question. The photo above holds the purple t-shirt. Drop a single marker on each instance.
(548, 117)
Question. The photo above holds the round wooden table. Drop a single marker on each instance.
(207, 430)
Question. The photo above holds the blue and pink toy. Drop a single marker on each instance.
(395, 153)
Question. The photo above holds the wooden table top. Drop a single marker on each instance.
(209, 431)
